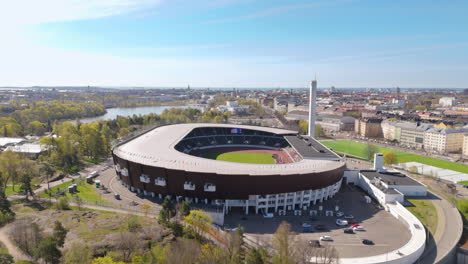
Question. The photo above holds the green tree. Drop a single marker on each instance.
(390, 158)
(257, 256)
(106, 260)
(282, 244)
(78, 253)
(59, 233)
(370, 151)
(184, 208)
(48, 251)
(199, 220)
(167, 211)
(37, 128)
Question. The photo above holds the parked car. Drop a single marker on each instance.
(117, 196)
(320, 227)
(306, 225)
(314, 243)
(359, 228)
(341, 222)
(350, 216)
(367, 242)
(339, 214)
(326, 238)
(352, 222)
(354, 225)
(312, 219)
(348, 231)
(307, 230)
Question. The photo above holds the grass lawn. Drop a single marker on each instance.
(463, 182)
(255, 158)
(360, 150)
(425, 211)
(85, 191)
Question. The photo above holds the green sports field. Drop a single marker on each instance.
(360, 150)
(255, 158)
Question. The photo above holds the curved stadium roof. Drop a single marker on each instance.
(156, 148)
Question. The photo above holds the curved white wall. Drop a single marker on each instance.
(410, 252)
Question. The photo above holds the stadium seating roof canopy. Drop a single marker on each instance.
(156, 148)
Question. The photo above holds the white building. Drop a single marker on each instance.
(385, 186)
(448, 101)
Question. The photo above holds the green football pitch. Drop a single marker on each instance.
(359, 149)
(241, 157)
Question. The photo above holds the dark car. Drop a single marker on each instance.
(352, 222)
(367, 242)
(348, 231)
(312, 219)
(314, 243)
(320, 227)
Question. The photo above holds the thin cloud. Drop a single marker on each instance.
(21, 12)
(273, 11)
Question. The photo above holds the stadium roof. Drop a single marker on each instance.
(156, 148)
(310, 148)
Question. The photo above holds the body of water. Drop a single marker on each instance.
(112, 113)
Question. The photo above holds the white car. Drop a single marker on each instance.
(341, 222)
(359, 228)
(326, 238)
(339, 214)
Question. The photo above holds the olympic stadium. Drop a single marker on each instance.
(180, 161)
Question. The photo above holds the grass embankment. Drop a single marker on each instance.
(359, 149)
(85, 191)
(3, 249)
(254, 158)
(425, 211)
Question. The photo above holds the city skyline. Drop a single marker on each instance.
(234, 43)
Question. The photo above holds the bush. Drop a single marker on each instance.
(133, 225)
(6, 218)
(62, 204)
(6, 258)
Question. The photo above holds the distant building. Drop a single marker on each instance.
(32, 150)
(409, 134)
(298, 115)
(368, 127)
(333, 124)
(465, 145)
(8, 141)
(233, 107)
(444, 140)
(448, 101)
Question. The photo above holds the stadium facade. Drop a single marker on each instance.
(168, 161)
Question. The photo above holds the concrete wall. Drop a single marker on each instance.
(410, 252)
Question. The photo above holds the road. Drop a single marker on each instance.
(448, 232)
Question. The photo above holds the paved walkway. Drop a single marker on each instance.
(13, 250)
(448, 232)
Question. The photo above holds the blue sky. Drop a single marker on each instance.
(234, 43)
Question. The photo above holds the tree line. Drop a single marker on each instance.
(72, 143)
(36, 118)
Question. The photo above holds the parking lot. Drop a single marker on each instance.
(381, 227)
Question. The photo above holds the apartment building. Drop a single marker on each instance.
(444, 140)
(409, 134)
(368, 127)
(465, 145)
